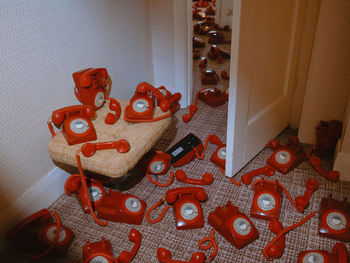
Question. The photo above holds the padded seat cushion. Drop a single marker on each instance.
(141, 137)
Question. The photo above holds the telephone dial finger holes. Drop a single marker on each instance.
(140, 105)
(99, 99)
(336, 221)
(79, 126)
(313, 257)
(51, 233)
(189, 211)
(266, 202)
(98, 259)
(222, 153)
(283, 157)
(133, 204)
(95, 193)
(157, 167)
(242, 226)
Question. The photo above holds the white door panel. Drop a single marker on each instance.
(264, 44)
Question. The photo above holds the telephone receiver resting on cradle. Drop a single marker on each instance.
(102, 251)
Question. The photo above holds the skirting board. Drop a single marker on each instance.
(40, 196)
(342, 164)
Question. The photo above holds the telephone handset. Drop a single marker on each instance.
(164, 256)
(75, 122)
(112, 206)
(268, 170)
(275, 250)
(173, 99)
(142, 104)
(206, 179)
(186, 204)
(111, 118)
(38, 235)
(339, 255)
(335, 219)
(268, 195)
(89, 149)
(333, 175)
(233, 225)
(102, 251)
(286, 157)
(91, 86)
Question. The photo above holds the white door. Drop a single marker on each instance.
(265, 37)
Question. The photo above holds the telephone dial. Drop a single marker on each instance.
(142, 105)
(102, 251)
(164, 256)
(38, 235)
(213, 97)
(286, 157)
(75, 122)
(233, 225)
(335, 219)
(268, 194)
(339, 255)
(91, 86)
(186, 204)
(112, 206)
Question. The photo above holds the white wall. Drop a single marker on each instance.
(42, 43)
(328, 81)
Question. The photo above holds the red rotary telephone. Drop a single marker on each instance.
(112, 206)
(76, 124)
(335, 219)
(213, 97)
(38, 235)
(102, 251)
(164, 256)
(209, 77)
(339, 255)
(268, 194)
(186, 204)
(91, 86)
(142, 105)
(286, 157)
(233, 225)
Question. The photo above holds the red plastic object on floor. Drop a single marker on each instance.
(196, 53)
(224, 75)
(203, 64)
(213, 97)
(209, 11)
(164, 256)
(339, 255)
(102, 251)
(248, 177)
(91, 86)
(233, 225)
(332, 176)
(335, 219)
(186, 204)
(89, 149)
(286, 157)
(209, 77)
(275, 250)
(215, 37)
(267, 199)
(75, 122)
(206, 179)
(197, 43)
(38, 235)
(303, 201)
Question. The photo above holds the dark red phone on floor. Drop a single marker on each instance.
(113, 206)
(38, 235)
(164, 256)
(335, 219)
(233, 225)
(91, 86)
(102, 251)
(286, 157)
(267, 200)
(186, 204)
(213, 97)
(184, 151)
(75, 122)
(339, 255)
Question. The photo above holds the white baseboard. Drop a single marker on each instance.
(342, 164)
(40, 196)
